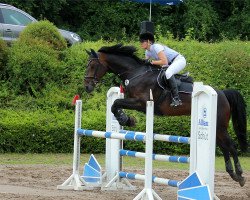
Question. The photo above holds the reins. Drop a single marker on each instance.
(127, 81)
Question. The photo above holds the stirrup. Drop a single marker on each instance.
(176, 102)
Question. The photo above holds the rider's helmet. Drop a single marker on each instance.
(147, 36)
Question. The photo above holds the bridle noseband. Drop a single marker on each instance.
(94, 77)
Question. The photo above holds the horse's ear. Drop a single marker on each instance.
(94, 53)
(88, 52)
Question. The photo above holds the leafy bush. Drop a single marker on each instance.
(45, 31)
(5, 91)
(37, 131)
(33, 65)
(4, 53)
(36, 59)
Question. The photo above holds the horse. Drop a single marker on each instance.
(140, 77)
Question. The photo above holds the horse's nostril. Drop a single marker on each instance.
(89, 88)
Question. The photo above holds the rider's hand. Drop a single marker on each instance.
(148, 61)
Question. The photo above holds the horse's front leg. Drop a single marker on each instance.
(130, 103)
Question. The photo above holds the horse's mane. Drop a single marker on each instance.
(119, 49)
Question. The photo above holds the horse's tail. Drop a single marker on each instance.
(238, 113)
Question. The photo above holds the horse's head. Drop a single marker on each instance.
(94, 72)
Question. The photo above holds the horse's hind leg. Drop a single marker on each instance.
(227, 148)
(238, 169)
(228, 163)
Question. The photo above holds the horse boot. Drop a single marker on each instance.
(174, 91)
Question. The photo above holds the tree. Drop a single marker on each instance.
(202, 19)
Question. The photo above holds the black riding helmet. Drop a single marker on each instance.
(147, 36)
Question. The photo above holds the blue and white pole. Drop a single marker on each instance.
(159, 157)
(162, 137)
(164, 181)
(111, 135)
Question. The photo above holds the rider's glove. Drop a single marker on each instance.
(148, 61)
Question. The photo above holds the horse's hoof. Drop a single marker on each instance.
(234, 177)
(242, 181)
(131, 121)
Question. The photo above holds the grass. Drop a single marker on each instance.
(66, 159)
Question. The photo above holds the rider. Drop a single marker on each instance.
(164, 56)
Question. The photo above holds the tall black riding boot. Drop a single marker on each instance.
(174, 90)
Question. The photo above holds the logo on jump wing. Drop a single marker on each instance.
(203, 121)
(204, 112)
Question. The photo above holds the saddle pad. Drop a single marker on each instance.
(185, 87)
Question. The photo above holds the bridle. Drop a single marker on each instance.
(94, 77)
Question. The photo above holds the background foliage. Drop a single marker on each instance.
(209, 20)
(40, 81)
(3, 59)
(35, 59)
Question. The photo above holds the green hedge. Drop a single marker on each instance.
(44, 123)
(3, 59)
(37, 131)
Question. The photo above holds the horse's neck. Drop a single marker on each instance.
(125, 68)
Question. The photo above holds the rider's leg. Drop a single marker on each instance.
(174, 90)
(178, 64)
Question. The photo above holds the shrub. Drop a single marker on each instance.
(38, 131)
(4, 52)
(36, 58)
(33, 65)
(46, 31)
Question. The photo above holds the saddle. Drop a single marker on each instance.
(184, 82)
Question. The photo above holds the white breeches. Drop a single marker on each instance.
(178, 64)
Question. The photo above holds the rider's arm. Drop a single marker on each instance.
(163, 60)
(147, 55)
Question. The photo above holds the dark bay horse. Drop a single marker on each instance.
(140, 78)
